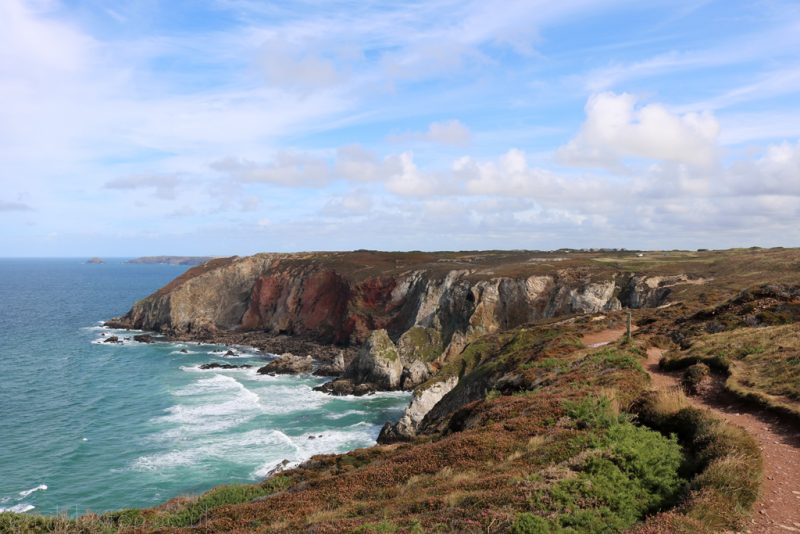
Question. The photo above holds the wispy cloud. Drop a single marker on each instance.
(536, 123)
(14, 206)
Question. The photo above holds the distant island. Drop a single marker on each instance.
(95, 261)
(170, 260)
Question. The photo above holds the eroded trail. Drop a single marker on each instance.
(778, 508)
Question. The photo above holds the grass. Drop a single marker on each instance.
(762, 364)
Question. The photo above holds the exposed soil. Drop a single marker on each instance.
(778, 508)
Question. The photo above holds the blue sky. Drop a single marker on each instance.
(238, 126)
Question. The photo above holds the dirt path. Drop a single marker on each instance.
(778, 508)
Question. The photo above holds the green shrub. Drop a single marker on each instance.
(592, 412)
(526, 523)
(627, 472)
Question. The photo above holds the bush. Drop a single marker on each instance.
(628, 472)
(526, 523)
(693, 378)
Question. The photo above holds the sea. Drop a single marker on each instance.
(92, 426)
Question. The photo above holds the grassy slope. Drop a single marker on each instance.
(762, 363)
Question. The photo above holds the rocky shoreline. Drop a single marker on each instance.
(376, 321)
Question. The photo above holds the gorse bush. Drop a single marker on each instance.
(630, 472)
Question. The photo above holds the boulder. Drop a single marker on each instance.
(377, 363)
(288, 364)
(335, 368)
(143, 338)
(112, 339)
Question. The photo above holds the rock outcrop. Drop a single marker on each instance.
(377, 366)
(335, 368)
(288, 364)
(422, 401)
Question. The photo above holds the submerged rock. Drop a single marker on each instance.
(216, 365)
(345, 386)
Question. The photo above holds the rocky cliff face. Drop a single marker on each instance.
(312, 297)
(409, 312)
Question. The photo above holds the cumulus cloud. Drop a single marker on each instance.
(163, 185)
(287, 168)
(511, 175)
(409, 181)
(776, 172)
(616, 129)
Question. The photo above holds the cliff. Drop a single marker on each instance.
(340, 298)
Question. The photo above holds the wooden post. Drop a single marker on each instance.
(628, 327)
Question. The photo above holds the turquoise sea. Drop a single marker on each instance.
(90, 426)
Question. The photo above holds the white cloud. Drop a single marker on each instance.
(407, 180)
(615, 129)
(776, 172)
(288, 168)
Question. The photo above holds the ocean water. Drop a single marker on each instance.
(91, 426)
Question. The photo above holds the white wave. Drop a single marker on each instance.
(246, 449)
(40, 487)
(269, 467)
(323, 442)
(183, 353)
(345, 414)
(19, 508)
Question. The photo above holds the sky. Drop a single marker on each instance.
(221, 127)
